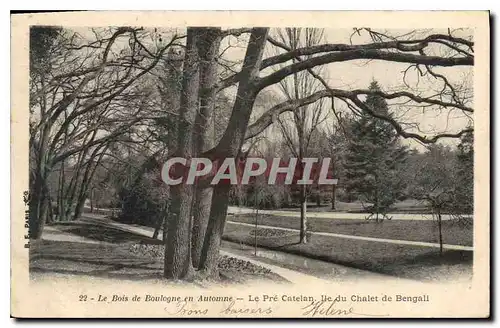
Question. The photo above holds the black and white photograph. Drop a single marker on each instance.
(251, 170)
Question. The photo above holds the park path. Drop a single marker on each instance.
(241, 210)
(379, 240)
(324, 215)
(290, 275)
(334, 215)
(284, 264)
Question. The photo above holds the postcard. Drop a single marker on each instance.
(250, 164)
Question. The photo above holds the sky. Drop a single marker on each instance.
(358, 74)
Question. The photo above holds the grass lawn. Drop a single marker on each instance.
(413, 262)
(101, 260)
(426, 231)
(110, 252)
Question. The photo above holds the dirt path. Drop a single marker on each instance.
(379, 240)
(313, 214)
(334, 215)
(276, 265)
(290, 275)
(63, 253)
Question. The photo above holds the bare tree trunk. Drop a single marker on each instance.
(318, 197)
(230, 145)
(440, 231)
(92, 200)
(177, 256)
(159, 224)
(305, 120)
(203, 201)
(79, 206)
(38, 188)
(218, 212)
(208, 48)
(303, 215)
(166, 220)
(178, 252)
(83, 191)
(69, 195)
(37, 207)
(39, 203)
(61, 194)
(303, 188)
(334, 194)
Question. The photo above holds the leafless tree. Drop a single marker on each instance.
(298, 130)
(411, 51)
(83, 97)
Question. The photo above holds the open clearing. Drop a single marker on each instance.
(103, 251)
(405, 261)
(424, 231)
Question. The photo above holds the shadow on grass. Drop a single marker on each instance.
(111, 261)
(287, 244)
(115, 261)
(105, 232)
(103, 273)
(393, 260)
(449, 257)
(131, 221)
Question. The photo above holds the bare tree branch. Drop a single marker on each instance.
(272, 114)
(362, 54)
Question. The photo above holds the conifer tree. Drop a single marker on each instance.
(374, 154)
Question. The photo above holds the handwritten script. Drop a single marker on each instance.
(331, 308)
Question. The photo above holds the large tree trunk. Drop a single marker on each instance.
(38, 205)
(39, 199)
(203, 201)
(208, 49)
(230, 146)
(218, 212)
(178, 252)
